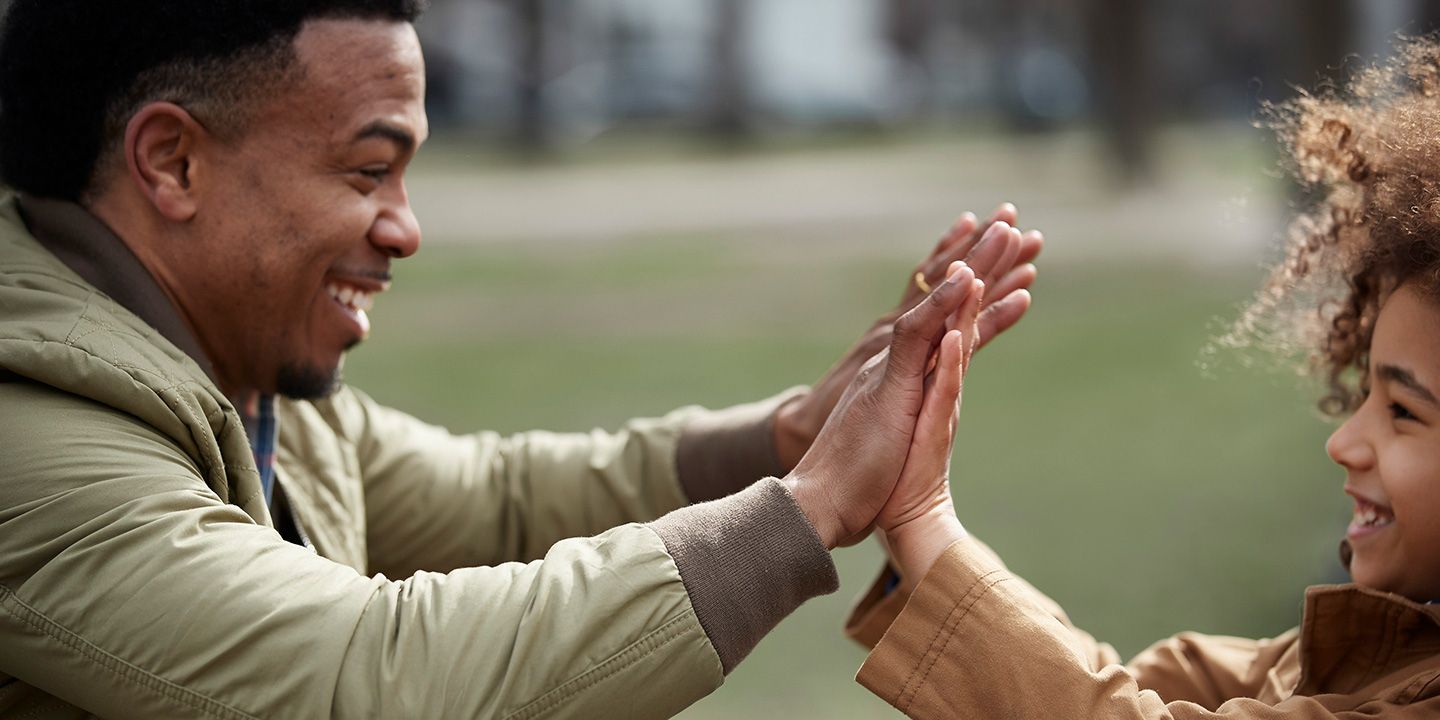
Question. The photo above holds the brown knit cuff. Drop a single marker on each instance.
(747, 561)
(724, 451)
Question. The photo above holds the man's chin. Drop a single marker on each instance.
(299, 381)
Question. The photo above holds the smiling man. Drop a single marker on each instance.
(198, 519)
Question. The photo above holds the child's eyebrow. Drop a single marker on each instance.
(1406, 379)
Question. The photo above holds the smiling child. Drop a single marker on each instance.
(1360, 287)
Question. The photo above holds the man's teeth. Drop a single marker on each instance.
(351, 297)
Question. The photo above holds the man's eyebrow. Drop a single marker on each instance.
(402, 138)
(1405, 378)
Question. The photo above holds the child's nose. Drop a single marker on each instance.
(1347, 445)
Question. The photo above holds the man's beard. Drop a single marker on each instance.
(298, 381)
(306, 382)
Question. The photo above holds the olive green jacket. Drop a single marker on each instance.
(140, 576)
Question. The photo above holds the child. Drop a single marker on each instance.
(1360, 284)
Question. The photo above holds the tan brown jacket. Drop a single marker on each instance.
(975, 641)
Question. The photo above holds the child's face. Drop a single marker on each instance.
(1390, 449)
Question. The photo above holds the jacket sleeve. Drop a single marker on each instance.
(129, 589)
(878, 608)
(975, 641)
(437, 501)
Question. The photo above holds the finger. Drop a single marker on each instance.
(930, 448)
(1032, 242)
(958, 232)
(999, 316)
(1005, 213)
(946, 250)
(1019, 278)
(969, 330)
(920, 329)
(1008, 251)
(930, 270)
(991, 248)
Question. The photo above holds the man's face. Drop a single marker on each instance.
(1390, 449)
(300, 216)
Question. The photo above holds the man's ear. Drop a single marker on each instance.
(160, 144)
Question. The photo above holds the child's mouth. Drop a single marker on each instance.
(1369, 518)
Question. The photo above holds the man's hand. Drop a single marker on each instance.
(918, 522)
(845, 479)
(1000, 256)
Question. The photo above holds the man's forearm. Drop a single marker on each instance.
(747, 562)
(724, 451)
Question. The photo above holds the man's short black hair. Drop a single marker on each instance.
(73, 72)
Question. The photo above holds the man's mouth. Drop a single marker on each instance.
(354, 301)
(351, 297)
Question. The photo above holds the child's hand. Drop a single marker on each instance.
(919, 518)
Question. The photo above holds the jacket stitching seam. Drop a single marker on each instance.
(905, 697)
(116, 665)
(636, 651)
(941, 638)
(167, 391)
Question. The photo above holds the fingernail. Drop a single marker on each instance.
(956, 268)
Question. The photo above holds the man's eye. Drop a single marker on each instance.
(1400, 412)
(378, 174)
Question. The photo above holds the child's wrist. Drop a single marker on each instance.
(916, 544)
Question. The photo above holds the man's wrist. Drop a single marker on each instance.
(816, 507)
(793, 431)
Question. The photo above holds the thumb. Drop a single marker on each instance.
(919, 330)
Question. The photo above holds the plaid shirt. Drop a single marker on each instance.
(263, 431)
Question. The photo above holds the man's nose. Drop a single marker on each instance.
(1348, 447)
(396, 232)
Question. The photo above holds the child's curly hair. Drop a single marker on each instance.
(1368, 159)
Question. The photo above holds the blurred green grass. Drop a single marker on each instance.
(1147, 494)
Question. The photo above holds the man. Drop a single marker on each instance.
(209, 197)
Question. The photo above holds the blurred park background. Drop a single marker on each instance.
(632, 205)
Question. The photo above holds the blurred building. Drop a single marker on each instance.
(551, 73)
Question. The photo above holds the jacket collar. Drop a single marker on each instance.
(1353, 636)
(94, 252)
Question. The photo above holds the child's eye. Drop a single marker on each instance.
(1399, 412)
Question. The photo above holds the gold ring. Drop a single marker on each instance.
(920, 283)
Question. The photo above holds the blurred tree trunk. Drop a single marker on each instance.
(1429, 20)
(1327, 26)
(1118, 34)
(908, 26)
(531, 119)
(728, 114)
